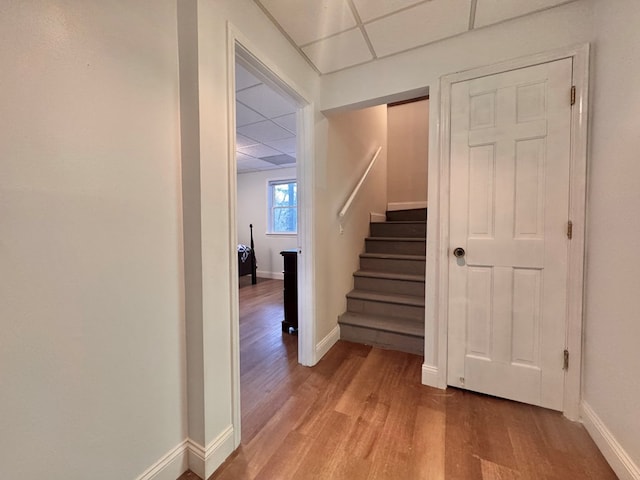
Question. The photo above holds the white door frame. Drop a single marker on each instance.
(238, 46)
(436, 375)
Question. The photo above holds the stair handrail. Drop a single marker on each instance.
(356, 190)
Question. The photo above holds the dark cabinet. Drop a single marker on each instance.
(290, 322)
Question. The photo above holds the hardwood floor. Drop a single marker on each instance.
(361, 413)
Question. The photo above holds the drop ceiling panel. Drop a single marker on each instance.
(493, 11)
(419, 25)
(265, 101)
(244, 79)
(242, 141)
(281, 159)
(245, 116)
(259, 151)
(370, 9)
(253, 164)
(287, 145)
(309, 20)
(264, 131)
(340, 51)
(287, 121)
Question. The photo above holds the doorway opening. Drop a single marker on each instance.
(269, 188)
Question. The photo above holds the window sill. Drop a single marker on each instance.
(278, 234)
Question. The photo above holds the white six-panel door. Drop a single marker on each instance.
(509, 203)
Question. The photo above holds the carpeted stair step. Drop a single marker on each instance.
(399, 229)
(393, 263)
(402, 334)
(403, 284)
(384, 304)
(413, 214)
(402, 246)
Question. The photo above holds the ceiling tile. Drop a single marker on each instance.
(422, 24)
(242, 141)
(287, 145)
(493, 11)
(245, 116)
(280, 159)
(266, 101)
(309, 20)
(341, 51)
(244, 79)
(264, 131)
(259, 151)
(370, 9)
(287, 121)
(243, 157)
(253, 164)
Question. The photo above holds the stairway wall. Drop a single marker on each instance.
(352, 139)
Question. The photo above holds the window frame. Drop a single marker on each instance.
(271, 208)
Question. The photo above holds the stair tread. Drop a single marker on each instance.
(404, 326)
(397, 239)
(393, 256)
(412, 300)
(389, 275)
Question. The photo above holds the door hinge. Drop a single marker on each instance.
(573, 95)
(569, 229)
(565, 365)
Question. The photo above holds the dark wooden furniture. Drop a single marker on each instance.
(247, 260)
(290, 322)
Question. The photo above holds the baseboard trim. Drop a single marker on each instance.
(204, 461)
(327, 342)
(621, 463)
(377, 217)
(430, 376)
(272, 275)
(173, 464)
(392, 206)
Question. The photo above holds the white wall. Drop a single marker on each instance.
(408, 152)
(252, 209)
(92, 376)
(612, 318)
(352, 139)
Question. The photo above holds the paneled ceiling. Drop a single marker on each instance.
(265, 125)
(337, 34)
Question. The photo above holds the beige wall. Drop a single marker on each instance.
(252, 208)
(408, 152)
(612, 314)
(352, 139)
(92, 374)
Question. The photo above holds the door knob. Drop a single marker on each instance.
(458, 252)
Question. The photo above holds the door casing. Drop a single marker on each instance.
(435, 368)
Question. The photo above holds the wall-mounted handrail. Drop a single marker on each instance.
(353, 195)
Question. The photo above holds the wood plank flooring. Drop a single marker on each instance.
(362, 414)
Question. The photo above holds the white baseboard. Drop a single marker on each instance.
(272, 275)
(173, 464)
(327, 342)
(430, 376)
(392, 206)
(204, 461)
(377, 217)
(621, 463)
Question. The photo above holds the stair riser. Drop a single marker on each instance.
(385, 309)
(386, 285)
(395, 247)
(398, 230)
(389, 265)
(382, 339)
(407, 215)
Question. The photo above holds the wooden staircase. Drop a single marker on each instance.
(386, 306)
